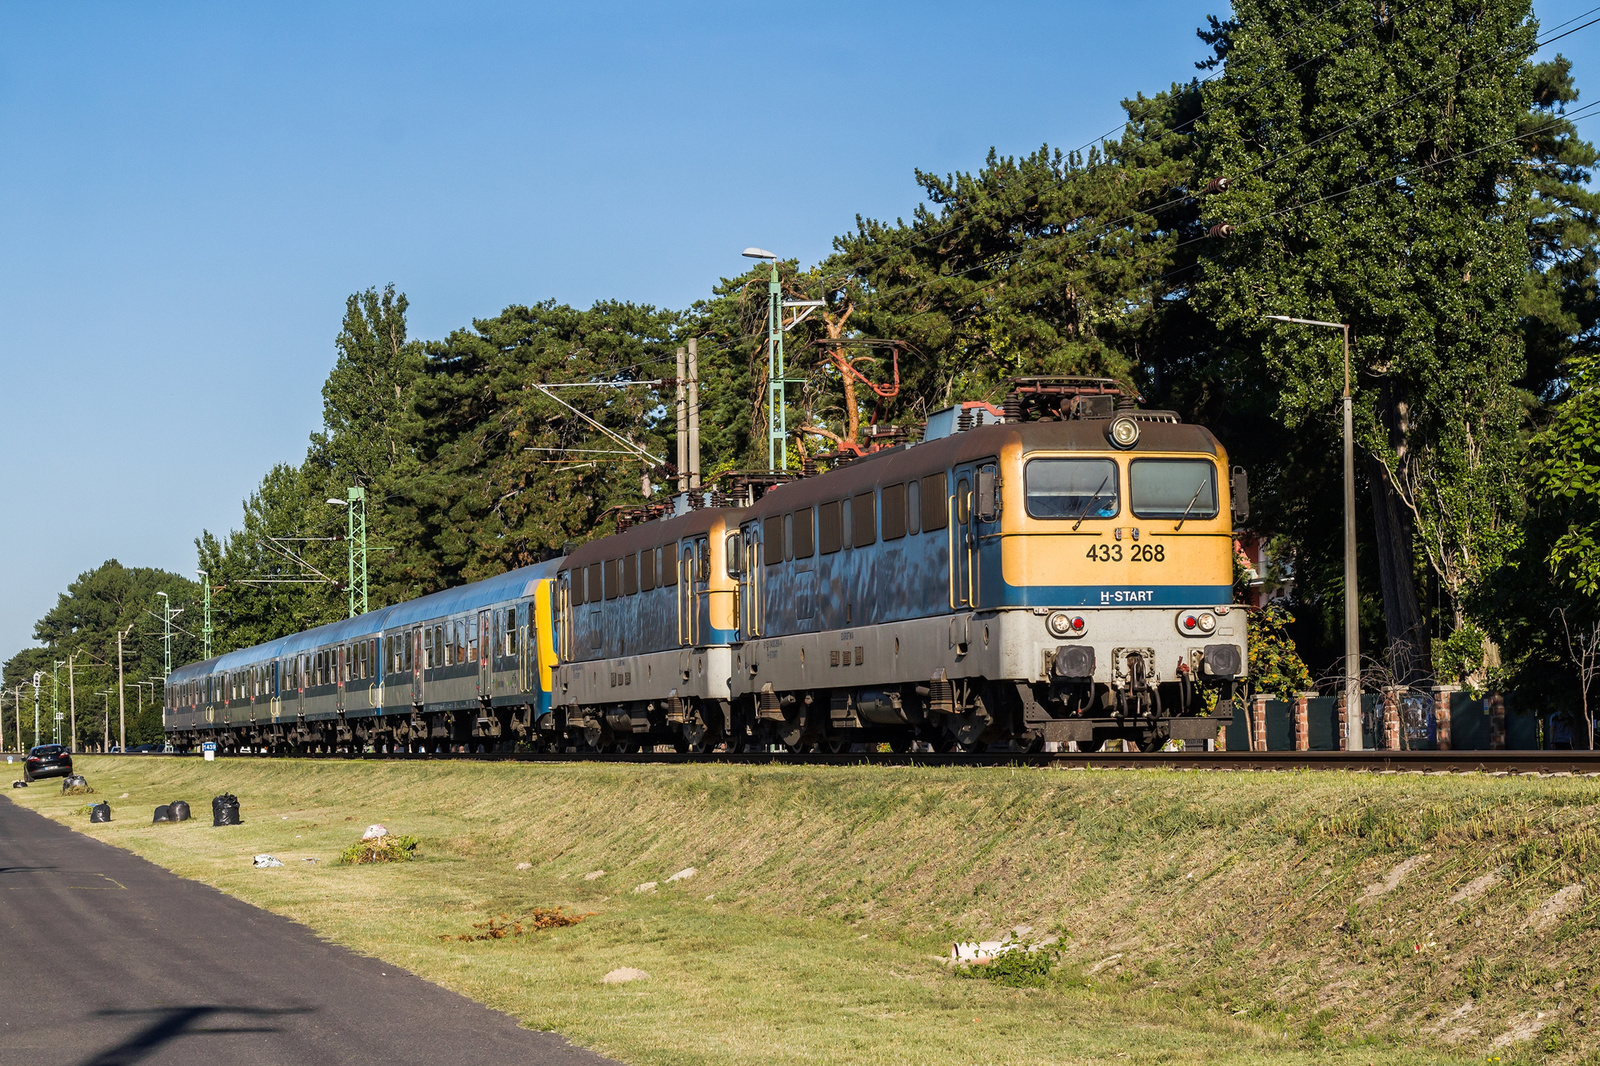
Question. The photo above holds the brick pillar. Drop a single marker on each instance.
(1497, 716)
(1441, 712)
(1302, 720)
(1340, 712)
(1391, 719)
(1258, 727)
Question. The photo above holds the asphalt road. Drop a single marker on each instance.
(107, 960)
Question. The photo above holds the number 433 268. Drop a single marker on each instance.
(1139, 553)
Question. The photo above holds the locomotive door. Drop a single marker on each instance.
(750, 606)
(520, 617)
(276, 705)
(963, 540)
(416, 666)
(685, 563)
(485, 653)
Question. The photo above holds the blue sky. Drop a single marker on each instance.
(188, 192)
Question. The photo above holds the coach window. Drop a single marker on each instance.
(1173, 488)
(612, 584)
(772, 540)
(805, 543)
(372, 654)
(449, 644)
(669, 565)
(935, 502)
(1071, 488)
(647, 570)
(894, 512)
(863, 520)
(630, 574)
(829, 528)
(472, 641)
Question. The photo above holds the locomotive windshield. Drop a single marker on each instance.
(1071, 488)
(1173, 488)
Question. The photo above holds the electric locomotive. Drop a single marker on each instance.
(1061, 571)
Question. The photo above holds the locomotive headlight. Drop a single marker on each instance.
(1123, 431)
(1196, 623)
(1064, 625)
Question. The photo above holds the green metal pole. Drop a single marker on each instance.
(777, 418)
(205, 619)
(356, 540)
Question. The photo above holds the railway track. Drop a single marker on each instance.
(1563, 763)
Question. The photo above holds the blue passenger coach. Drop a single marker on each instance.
(469, 665)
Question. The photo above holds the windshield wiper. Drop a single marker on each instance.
(1201, 488)
(1090, 503)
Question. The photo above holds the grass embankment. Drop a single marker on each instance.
(1278, 918)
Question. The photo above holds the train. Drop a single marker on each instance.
(1055, 572)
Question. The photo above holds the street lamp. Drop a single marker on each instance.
(37, 675)
(355, 544)
(1352, 654)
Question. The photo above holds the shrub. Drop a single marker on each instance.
(379, 849)
(1018, 968)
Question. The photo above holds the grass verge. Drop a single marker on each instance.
(1215, 918)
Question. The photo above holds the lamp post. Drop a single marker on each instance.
(107, 694)
(55, 700)
(37, 676)
(122, 698)
(166, 636)
(1352, 651)
(355, 505)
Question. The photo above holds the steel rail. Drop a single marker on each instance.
(1564, 763)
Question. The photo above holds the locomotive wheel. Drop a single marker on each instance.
(694, 736)
(625, 747)
(835, 745)
(1150, 740)
(1092, 745)
(900, 743)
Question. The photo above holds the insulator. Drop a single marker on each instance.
(1218, 184)
(1222, 229)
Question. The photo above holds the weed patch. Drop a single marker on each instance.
(379, 849)
(1018, 968)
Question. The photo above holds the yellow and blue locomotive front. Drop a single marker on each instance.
(1107, 546)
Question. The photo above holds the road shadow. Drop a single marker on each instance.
(170, 1023)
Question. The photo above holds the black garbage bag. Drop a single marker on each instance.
(225, 809)
(19, 784)
(180, 810)
(163, 814)
(100, 812)
(72, 781)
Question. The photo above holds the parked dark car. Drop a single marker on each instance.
(47, 760)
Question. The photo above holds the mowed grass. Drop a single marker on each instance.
(1215, 918)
